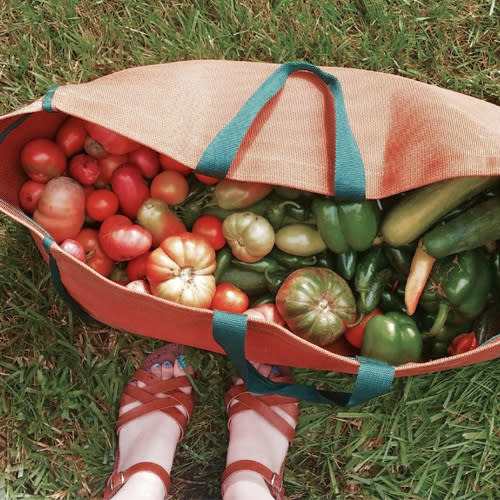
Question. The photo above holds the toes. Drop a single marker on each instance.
(167, 370)
(156, 370)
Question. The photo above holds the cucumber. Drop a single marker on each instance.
(407, 220)
(472, 229)
(251, 282)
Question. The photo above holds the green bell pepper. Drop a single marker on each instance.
(393, 338)
(459, 283)
(346, 225)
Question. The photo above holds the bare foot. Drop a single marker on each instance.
(152, 437)
(252, 437)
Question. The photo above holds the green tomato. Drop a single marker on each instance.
(300, 239)
(317, 304)
(250, 236)
(237, 194)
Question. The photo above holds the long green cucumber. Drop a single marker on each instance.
(472, 229)
(408, 219)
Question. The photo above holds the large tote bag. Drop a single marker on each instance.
(337, 131)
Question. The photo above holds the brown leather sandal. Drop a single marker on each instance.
(150, 402)
(239, 399)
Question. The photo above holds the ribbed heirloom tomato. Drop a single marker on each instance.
(181, 268)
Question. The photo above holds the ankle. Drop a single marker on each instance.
(245, 485)
(142, 486)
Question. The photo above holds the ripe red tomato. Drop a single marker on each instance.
(71, 136)
(43, 159)
(84, 168)
(169, 186)
(169, 163)
(228, 297)
(206, 179)
(29, 194)
(112, 142)
(210, 227)
(74, 248)
(108, 165)
(136, 268)
(267, 312)
(122, 240)
(94, 254)
(131, 188)
(101, 204)
(147, 160)
(354, 334)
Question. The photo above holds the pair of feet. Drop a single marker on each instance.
(154, 411)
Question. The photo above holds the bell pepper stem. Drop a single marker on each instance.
(420, 270)
(440, 319)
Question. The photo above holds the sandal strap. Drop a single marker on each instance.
(118, 479)
(239, 399)
(274, 480)
(148, 396)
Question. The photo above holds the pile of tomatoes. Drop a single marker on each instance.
(107, 200)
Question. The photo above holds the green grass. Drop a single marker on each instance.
(433, 437)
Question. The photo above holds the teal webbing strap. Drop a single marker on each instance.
(229, 331)
(349, 179)
(47, 99)
(75, 307)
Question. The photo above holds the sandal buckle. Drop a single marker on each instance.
(116, 486)
(275, 484)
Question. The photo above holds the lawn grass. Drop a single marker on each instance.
(433, 437)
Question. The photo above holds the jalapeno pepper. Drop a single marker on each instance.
(223, 261)
(392, 337)
(346, 225)
(400, 258)
(346, 264)
(459, 283)
(289, 261)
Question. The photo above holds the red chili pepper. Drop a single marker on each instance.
(462, 343)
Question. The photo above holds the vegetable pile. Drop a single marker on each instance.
(408, 278)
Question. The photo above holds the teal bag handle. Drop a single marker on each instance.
(374, 377)
(349, 175)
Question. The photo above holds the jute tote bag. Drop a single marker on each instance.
(337, 131)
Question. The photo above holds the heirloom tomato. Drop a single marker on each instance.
(61, 208)
(43, 159)
(122, 240)
(94, 254)
(156, 216)
(250, 236)
(71, 135)
(317, 304)
(181, 268)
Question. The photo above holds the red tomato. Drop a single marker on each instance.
(94, 255)
(112, 142)
(122, 240)
(210, 227)
(84, 169)
(206, 179)
(29, 194)
(42, 160)
(229, 297)
(74, 248)
(169, 186)
(131, 188)
(354, 334)
(147, 160)
(71, 136)
(108, 165)
(61, 208)
(94, 148)
(169, 163)
(136, 268)
(101, 204)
